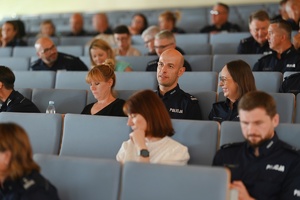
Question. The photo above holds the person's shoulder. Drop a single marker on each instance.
(67, 56)
(189, 97)
(247, 40)
(36, 63)
(290, 149)
(230, 146)
(152, 62)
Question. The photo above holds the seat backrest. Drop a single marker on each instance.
(15, 63)
(71, 80)
(206, 99)
(65, 100)
(86, 60)
(173, 182)
(34, 79)
(65, 40)
(285, 103)
(225, 48)
(137, 63)
(135, 80)
(191, 38)
(5, 51)
(297, 110)
(198, 81)
(199, 62)
(227, 37)
(81, 178)
(219, 60)
(72, 50)
(44, 130)
(23, 51)
(94, 136)
(26, 92)
(195, 48)
(231, 132)
(268, 81)
(201, 138)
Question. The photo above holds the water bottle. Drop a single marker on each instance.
(50, 109)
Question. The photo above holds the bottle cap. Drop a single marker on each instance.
(51, 102)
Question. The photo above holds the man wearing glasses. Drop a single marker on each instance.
(51, 59)
(219, 18)
(165, 40)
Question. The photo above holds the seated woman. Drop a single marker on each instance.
(100, 50)
(47, 29)
(102, 80)
(10, 35)
(236, 79)
(150, 139)
(20, 176)
(167, 21)
(139, 23)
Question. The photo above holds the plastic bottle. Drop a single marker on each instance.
(51, 108)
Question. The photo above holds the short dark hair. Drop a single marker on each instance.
(282, 24)
(260, 15)
(151, 107)
(258, 99)
(223, 5)
(121, 30)
(241, 73)
(7, 77)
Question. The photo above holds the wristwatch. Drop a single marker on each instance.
(144, 153)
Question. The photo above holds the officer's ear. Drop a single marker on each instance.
(275, 120)
(181, 71)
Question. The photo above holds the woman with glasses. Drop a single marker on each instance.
(236, 79)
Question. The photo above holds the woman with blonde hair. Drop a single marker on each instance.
(102, 80)
(167, 21)
(20, 176)
(100, 50)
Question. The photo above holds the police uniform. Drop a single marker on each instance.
(16, 102)
(81, 33)
(181, 105)
(294, 25)
(33, 186)
(63, 62)
(152, 65)
(227, 27)
(251, 46)
(274, 174)
(16, 42)
(221, 111)
(290, 61)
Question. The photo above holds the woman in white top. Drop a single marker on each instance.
(150, 139)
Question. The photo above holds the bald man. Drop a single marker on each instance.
(180, 104)
(51, 59)
(76, 24)
(101, 24)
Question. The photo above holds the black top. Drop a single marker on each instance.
(16, 102)
(294, 25)
(115, 108)
(250, 46)
(152, 65)
(221, 111)
(107, 31)
(180, 104)
(177, 30)
(63, 62)
(16, 42)
(290, 61)
(274, 174)
(227, 27)
(81, 33)
(30, 187)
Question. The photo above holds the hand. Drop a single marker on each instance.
(242, 191)
(138, 138)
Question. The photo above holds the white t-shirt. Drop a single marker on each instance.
(164, 151)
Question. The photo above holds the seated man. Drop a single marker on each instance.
(13, 101)
(180, 105)
(123, 40)
(284, 57)
(50, 59)
(76, 25)
(165, 40)
(219, 18)
(256, 44)
(148, 37)
(262, 167)
(101, 24)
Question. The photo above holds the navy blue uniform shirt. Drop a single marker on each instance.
(16, 102)
(273, 175)
(251, 46)
(221, 111)
(289, 61)
(227, 27)
(180, 104)
(63, 62)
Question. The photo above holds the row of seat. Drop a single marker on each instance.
(82, 178)
(189, 81)
(102, 136)
(139, 63)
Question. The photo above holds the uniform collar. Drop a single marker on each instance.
(267, 147)
(284, 54)
(169, 93)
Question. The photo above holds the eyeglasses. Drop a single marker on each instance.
(215, 12)
(223, 79)
(48, 49)
(163, 46)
